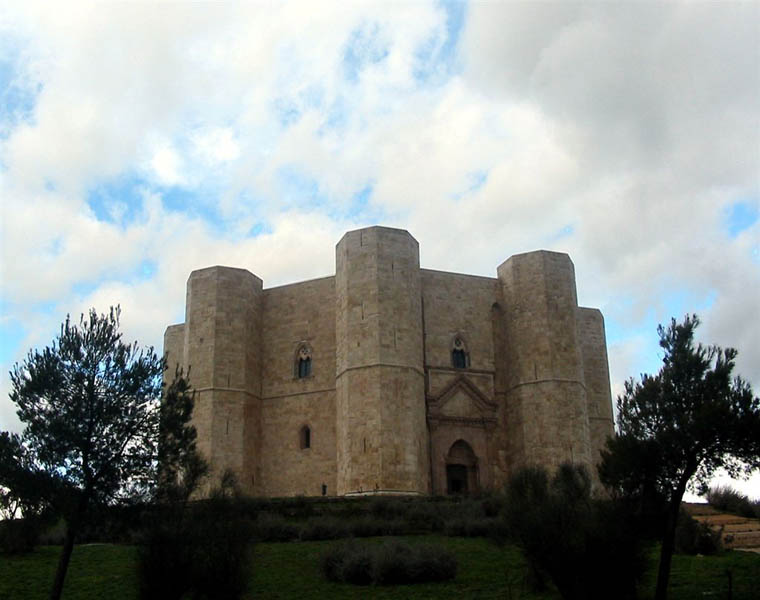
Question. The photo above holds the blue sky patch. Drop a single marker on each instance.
(298, 187)
(741, 216)
(437, 56)
(675, 304)
(475, 181)
(361, 209)
(11, 337)
(365, 47)
(84, 288)
(562, 233)
(287, 112)
(258, 229)
(201, 204)
(147, 269)
(17, 101)
(118, 201)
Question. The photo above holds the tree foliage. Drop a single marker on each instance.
(91, 406)
(676, 428)
(24, 493)
(587, 546)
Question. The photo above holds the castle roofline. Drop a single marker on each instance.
(378, 227)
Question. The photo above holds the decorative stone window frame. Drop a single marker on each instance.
(460, 355)
(304, 437)
(305, 353)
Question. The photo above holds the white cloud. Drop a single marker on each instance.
(216, 145)
(166, 164)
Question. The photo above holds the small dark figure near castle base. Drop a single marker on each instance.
(391, 378)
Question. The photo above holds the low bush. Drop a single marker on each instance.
(369, 526)
(425, 516)
(324, 528)
(469, 526)
(693, 537)
(200, 550)
(270, 527)
(390, 563)
(356, 567)
(18, 536)
(386, 507)
(729, 500)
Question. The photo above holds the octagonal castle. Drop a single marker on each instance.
(388, 378)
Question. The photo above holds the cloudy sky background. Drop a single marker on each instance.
(141, 141)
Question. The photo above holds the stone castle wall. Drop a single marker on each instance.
(387, 410)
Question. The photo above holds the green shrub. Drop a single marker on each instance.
(368, 526)
(18, 536)
(386, 507)
(469, 526)
(492, 505)
(270, 527)
(693, 537)
(202, 550)
(356, 567)
(432, 563)
(729, 500)
(425, 516)
(324, 528)
(390, 563)
(393, 564)
(298, 507)
(587, 547)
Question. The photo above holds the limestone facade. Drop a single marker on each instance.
(389, 378)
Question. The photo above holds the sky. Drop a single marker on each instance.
(140, 141)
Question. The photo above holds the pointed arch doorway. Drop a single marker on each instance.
(461, 469)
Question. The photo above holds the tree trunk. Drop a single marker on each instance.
(669, 540)
(72, 528)
(63, 562)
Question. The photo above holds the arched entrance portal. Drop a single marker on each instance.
(461, 469)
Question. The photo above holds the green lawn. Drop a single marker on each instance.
(96, 571)
(292, 571)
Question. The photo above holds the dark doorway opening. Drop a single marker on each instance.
(456, 479)
(461, 469)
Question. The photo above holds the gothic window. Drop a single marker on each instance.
(304, 437)
(303, 361)
(459, 357)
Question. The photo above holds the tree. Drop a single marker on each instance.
(91, 405)
(676, 428)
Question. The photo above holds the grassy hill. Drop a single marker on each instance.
(291, 570)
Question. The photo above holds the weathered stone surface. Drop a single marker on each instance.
(386, 407)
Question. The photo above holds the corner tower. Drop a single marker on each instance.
(222, 353)
(545, 389)
(381, 425)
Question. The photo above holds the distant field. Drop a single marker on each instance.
(291, 570)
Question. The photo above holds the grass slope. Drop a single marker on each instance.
(292, 571)
(95, 571)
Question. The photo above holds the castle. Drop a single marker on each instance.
(388, 378)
